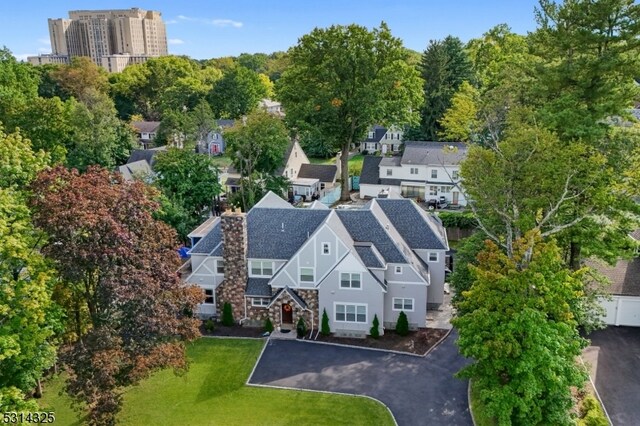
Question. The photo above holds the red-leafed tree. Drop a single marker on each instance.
(129, 310)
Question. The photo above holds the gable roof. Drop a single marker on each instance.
(378, 134)
(147, 155)
(405, 217)
(433, 153)
(209, 242)
(135, 169)
(368, 255)
(363, 226)
(370, 170)
(145, 126)
(204, 227)
(322, 172)
(272, 201)
(278, 233)
(291, 293)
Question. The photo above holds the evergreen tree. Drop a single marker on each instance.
(227, 314)
(375, 330)
(402, 325)
(325, 329)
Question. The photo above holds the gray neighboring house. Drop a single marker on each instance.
(283, 263)
(140, 164)
(214, 143)
(383, 140)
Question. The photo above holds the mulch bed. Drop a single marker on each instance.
(417, 342)
(233, 331)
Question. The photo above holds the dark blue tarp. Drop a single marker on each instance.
(184, 252)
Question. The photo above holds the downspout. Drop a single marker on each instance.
(245, 311)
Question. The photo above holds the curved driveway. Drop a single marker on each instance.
(419, 391)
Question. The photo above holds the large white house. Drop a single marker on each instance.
(283, 263)
(426, 170)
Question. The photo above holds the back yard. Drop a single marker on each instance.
(213, 392)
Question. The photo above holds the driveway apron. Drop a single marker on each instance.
(419, 391)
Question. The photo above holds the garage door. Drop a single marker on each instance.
(622, 310)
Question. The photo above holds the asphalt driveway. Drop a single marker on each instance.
(419, 391)
(616, 361)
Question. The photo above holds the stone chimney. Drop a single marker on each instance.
(234, 238)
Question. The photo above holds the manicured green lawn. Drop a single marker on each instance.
(213, 392)
(356, 159)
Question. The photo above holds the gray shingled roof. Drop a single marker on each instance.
(322, 172)
(144, 154)
(279, 233)
(390, 161)
(624, 276)
(209, 241)
(364, 227)
(433, 153)
(145, 126)
(370, 170)
(378, 134)
(224, 122)
(258, 287)
(368, 256)
(407, 220)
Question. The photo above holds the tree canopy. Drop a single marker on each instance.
(341, 98)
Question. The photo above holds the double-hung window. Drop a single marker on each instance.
(414, 170)
(402, 304)
(208, 296)
(260, 301)
(433, 256)
(220, 266)
(351, 313)
(434, 174)
(350, 280)
(306, 275)
(326, 248)
(261, 268)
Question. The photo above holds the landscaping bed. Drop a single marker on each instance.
(416, 342)
(233, 331)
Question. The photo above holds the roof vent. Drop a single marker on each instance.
(451, 147)
(282, 229)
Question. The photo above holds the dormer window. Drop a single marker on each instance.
(389, 172)
(434, 174)
(454, 175)
(261, 268)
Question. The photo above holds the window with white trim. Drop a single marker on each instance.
(433, 256)
(398, 269)
(454, 175)
(260, 301)
(350, 280)
(389, 172)
(220, 266)
(326, 248)
(209, 296)
(372, 135)
(351, 313)
(403, 304)
(414, 170)
(306, 275)
(434, 174)
(261, 268)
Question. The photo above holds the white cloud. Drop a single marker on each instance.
(23, 56)
(226, 23)
(171, 21)
(175, 41)
(215, 22)
(44, 40)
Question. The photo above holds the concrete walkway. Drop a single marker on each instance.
(419, 391)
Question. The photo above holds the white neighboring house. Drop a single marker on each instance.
(146, 131)
(624, 307)
(426, 170)
(272, 107)
(382, 139)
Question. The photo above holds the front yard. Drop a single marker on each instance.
(213, 392)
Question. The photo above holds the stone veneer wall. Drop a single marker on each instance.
(256, 315)
(234, 237)
(309, 296)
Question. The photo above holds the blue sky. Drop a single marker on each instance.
(214, 28)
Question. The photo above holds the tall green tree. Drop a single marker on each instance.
(18, 84)
(460, 121)
(445, 66)
(344, 79)
(122, 272)
(257, 147)
(190, 182)
(79, 76)
(237, 93)
(519, 328)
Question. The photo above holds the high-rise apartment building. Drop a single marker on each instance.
(111, 38)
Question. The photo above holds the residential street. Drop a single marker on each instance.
(615, 358)
(419, 391)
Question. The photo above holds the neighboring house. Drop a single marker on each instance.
(214, 143)
(272, 107)
(283, 263)
(624, 306)
(426, 170)
(146, 132)
(306, 179)
(383, 140)
(140, 164)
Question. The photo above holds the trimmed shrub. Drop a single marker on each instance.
(402, 325)
(375, 331)
(209, 325)
(325, 330)
(592, 414)
(301, 328)
(227, 314)
(268, 326)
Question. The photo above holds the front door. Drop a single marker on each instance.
(287, 314)
(455, 195)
